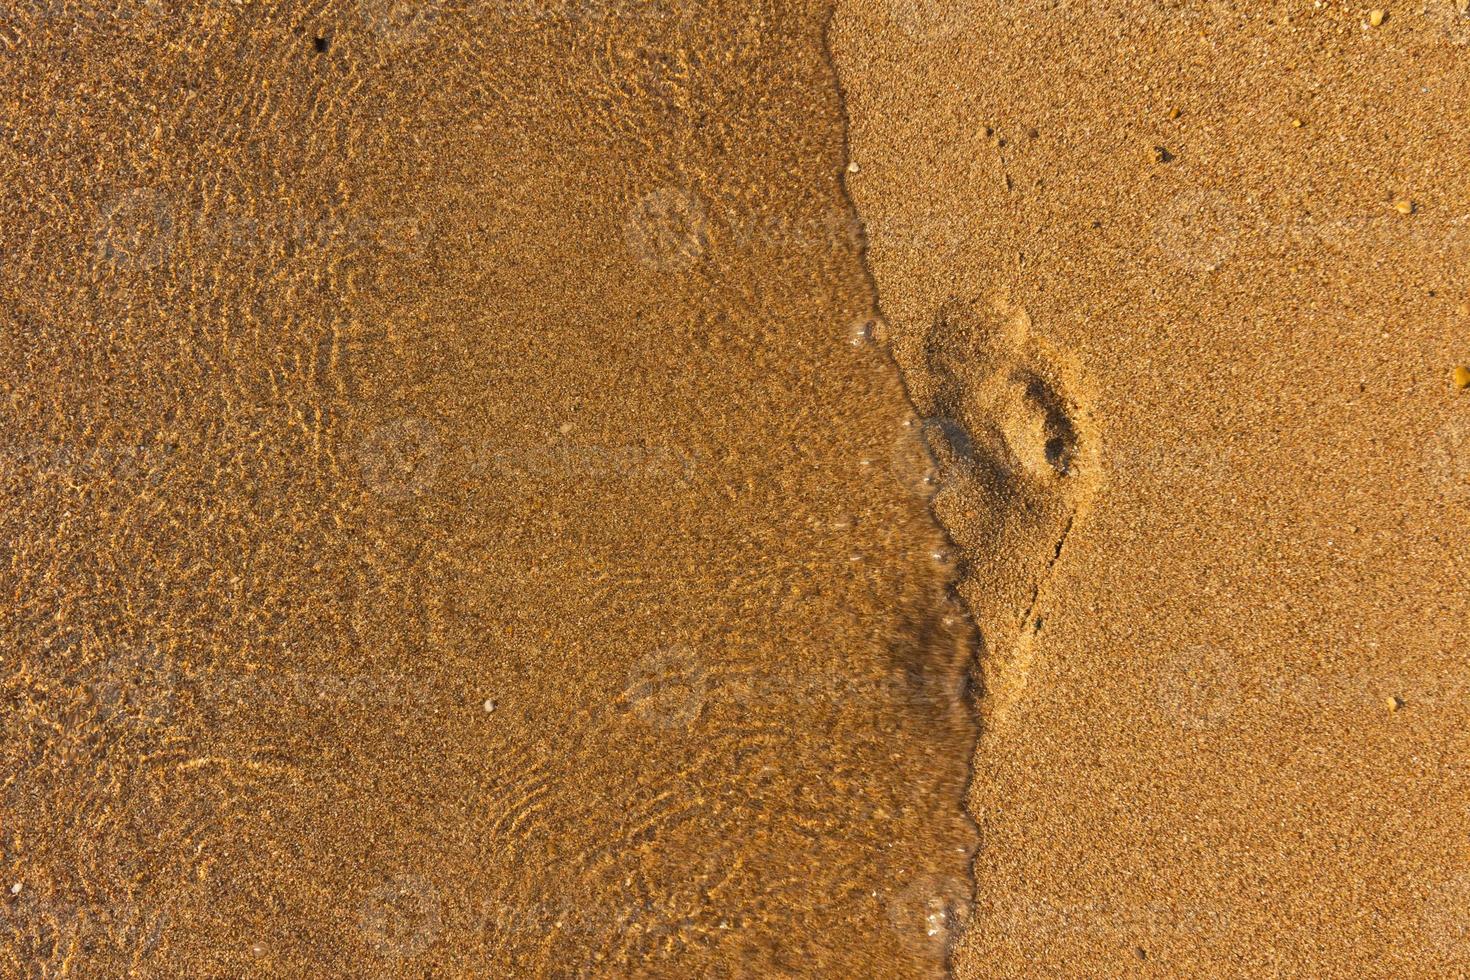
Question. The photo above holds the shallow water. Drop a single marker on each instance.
(450, 526)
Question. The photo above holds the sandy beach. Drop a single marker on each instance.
(734, 488)
(1227, 739)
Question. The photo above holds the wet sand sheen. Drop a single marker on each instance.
(451, 525)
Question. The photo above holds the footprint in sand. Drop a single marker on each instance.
(1015, 462)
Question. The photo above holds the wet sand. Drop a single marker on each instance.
(734, 489)
(458, 519)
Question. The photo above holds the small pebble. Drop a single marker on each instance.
(853, 167)
(1404, 206)
(1462, 377)
(1375, 18)
(15, 888)
(1297, 123)
(489, 705)
(1395, 703)
(1464, 309)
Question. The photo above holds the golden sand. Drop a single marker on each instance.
(733, 488)
(450, 529)
(1193, 627)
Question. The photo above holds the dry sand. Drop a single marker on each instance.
(474, 506)
(1229, 736)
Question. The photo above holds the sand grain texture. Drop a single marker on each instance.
(490, 491)
(365, 364)
(1233, 725)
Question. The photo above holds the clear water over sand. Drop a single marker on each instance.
(449, 528)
